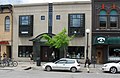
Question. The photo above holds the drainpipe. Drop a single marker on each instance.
(12, 30)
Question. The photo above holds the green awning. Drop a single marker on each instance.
(100, 40)
(106, 40)
(113, 40)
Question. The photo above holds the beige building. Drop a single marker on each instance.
(30, 21)
(6, 30)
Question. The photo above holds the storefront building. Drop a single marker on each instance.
(30, 21)
(105, 30)
(6, 14)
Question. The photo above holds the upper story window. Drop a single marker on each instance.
(26, 25)
(25, 20)
(76, 20)
(76, 24)
(42, 17)
(57, 17)
(103, 19)
(113, 19)
(7, 23)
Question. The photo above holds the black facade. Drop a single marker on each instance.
(26, 25)
(41, 50)
(50, 17)
(105, 30)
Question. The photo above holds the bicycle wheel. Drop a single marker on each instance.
(2, 64)
(11, 63)
(5, 64)
(15, 63)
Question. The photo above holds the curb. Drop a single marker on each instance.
(7, 68)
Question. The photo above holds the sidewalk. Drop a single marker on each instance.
(27, 65)
(21, 66)
(92, 69)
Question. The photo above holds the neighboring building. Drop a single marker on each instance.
(105, 30)
(30, 21)
(6, 30)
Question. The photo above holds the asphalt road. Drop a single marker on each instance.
(54, 74)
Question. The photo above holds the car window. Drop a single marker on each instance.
(61, 62)
(70, 61)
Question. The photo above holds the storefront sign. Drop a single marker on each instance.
(100, 40)
(4, 42)
(117, 50)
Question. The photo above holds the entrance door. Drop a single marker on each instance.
(46, 53)
(9, 54)
(99, 56)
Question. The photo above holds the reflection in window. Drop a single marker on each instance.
(70, 61)
(57, 17)
(76, 52)
(42, 17)
(113, 18)
(7, 23)
(24, 20)
(102, 19)
(62, 62)
(24, 51)
(114, 53)
(76, 20)
(26, 25)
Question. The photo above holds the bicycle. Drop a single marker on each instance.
(2, 63)
(9, 62)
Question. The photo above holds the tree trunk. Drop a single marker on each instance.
(65, 52)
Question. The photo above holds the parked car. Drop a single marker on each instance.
(111, 67)
(72, 65)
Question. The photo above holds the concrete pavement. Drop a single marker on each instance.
(27, 65)
(22, 66)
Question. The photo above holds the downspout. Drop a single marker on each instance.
(12, 31)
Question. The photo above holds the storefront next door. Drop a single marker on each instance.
(100, 44)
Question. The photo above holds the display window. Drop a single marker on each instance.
(114, 53)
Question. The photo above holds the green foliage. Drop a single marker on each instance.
(58, 41)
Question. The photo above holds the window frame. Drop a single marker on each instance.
(74, 17)
(113, 55)
(42, 17)
(25, 20)
(22, 51)
(109, 17)
(114, 15)
(58, 17)
(26, 28)
(70, 62)
(114, 21)
(7, 23)
(61, 62)
(103, 15)
(79, 30)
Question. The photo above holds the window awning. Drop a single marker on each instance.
(113, 40)
(39, 37)
(4, 42)
(103, 40)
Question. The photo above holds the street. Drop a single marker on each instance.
(36, 73)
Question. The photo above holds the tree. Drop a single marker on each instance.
(59, 41)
